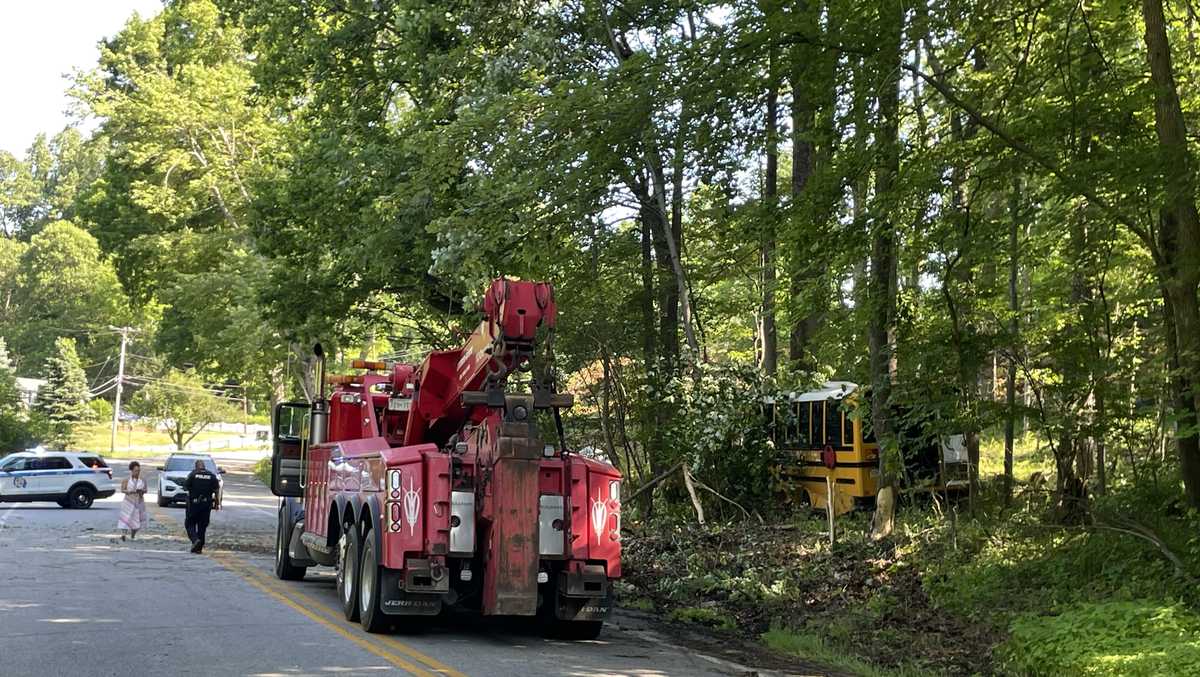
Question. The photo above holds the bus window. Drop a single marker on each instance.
(769, 417)
(790, 432)
(817, 418)
(803, 421)
(847, 430)
(833, 424)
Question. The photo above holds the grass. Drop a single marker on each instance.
(97, 437)
(713, 618)
(815, 648)
(1029, 456)
(638, 604)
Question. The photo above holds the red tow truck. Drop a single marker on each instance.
(430, 487)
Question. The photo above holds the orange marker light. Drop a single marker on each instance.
(368, 364)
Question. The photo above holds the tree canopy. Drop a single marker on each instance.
(182, 404)
(983, 213)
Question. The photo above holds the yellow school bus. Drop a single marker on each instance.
(820, 434)
(817, 435)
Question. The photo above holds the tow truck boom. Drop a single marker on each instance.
(432, 486)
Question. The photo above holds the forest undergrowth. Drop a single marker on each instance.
(992, 590)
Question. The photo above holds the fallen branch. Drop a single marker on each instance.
(1134, 528)
(691, 489)
(732, 502)
(657, 479)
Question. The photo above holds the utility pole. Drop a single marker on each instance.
(124, 331)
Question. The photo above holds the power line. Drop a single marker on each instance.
(109, 385)
(145, 381)
(100, 372)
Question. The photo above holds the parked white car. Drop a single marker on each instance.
(172, 474)
(71, 479)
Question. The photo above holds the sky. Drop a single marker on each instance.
(41, 41)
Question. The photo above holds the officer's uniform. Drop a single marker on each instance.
(202, 487)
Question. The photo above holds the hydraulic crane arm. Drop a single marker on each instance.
(450, 381)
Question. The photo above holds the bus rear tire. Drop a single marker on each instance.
(347, 577)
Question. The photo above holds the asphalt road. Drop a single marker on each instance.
(76, 600)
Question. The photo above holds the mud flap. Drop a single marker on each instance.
(397, 602)
(583, 595)
(583, 608)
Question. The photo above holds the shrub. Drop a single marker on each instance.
(713, 618)
(103, 409)
(720, 430)
(1109, 638)
(262, 470)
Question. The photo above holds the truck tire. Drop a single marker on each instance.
(81, 496)
(284, 569)
(347, 574)
(575, 630)
(370, 593)
(162, 501)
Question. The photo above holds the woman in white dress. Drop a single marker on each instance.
(133, 509)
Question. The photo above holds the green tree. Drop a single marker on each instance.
(185, 141)
(64, 284)
(46, 185)
(14, 421)
(182, 404)
(63, 401)
(10, 399)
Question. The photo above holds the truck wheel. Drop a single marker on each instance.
(370, 594)
(162, 501)
(284, 569)
(347, 574)
(81, 496)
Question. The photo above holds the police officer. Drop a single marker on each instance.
(202, 487)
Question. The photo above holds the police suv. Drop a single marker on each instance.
(71, 479)
(172, 474)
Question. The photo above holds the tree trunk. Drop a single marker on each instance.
(306, 376)
(1014, 307)
(1101, 448)
(770, 347)
(882, 310)
(668, 298)
(1178, 235)
(1184, 406)
(804, 272)
(606, 424)
(649, 340)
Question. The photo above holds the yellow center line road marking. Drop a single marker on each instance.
(305, 603)
(243, 569)
(358, 640)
